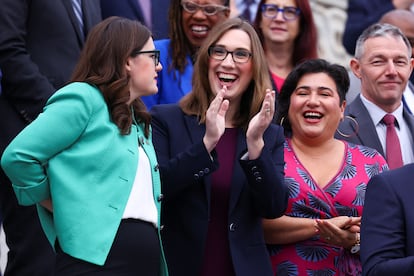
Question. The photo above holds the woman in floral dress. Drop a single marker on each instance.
(326, 177)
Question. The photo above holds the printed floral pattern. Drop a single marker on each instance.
(343, 196)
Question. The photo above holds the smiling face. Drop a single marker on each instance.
(315, 110)
(235, 76)
(142, 72)
(384, 69)
(278, 29)
(197, 25)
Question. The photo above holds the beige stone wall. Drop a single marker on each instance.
(330, 19)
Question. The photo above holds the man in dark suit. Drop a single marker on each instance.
(362, 13)
(154, 14)
(387, 228)
(404, 20)
(40, 42)
(383, 64)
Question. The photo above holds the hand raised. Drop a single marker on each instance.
(215, 120)
(259, 123)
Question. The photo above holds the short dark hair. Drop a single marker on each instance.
(337, 72)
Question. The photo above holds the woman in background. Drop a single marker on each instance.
(288, 33)
(190, 23)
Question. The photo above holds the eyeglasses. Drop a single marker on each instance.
(220, 53)
(208, 9)
(271, 11)
(155, 55)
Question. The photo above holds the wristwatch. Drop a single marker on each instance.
(355, 248)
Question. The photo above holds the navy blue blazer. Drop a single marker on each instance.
(387, 229)
(366, 133)
(361, 14)
(257, 191)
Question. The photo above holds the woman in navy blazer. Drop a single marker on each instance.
(88, 163)
(221, 160)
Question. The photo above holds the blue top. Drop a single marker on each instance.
(172, 85)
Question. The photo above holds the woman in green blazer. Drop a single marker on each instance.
(88, 162)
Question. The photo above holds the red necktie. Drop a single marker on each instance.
(394, 158)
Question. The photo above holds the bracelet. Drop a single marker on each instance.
(355, 248)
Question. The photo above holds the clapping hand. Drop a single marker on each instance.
(215, 120)
(258, 124)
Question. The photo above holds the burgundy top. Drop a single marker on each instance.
(217, 260)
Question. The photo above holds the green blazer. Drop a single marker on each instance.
(74, 154)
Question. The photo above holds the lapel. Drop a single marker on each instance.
(74, 20)
(409, 118)
(367, 133)
(238, 179)
(196, 133)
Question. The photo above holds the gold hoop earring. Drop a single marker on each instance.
(356, 127)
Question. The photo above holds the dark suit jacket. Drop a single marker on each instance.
(257, 191)
(39, 47)
(365, 134)
(132, 10)
(361, 14)
(387, 229)
(40, 43)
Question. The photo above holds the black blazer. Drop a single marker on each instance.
(387, 228)
(257, 191)
(40, 43)
(366, 133)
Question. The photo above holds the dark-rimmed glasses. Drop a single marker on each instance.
(271, 11)
(155, 55)
(208, 9)
(221, 53)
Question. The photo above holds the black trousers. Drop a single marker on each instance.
(135, 251)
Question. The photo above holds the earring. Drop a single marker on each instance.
(282, 120)
(356, 127)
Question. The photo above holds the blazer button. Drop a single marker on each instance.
(160, 197)
(206, 170)
(201, 173)
(254, 168)
(196, 176)
(161, 227)
(156, 168)
(232, 227)
(258, 179)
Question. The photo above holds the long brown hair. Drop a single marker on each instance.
(198, 100)
(180, 46)
(102, 63)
